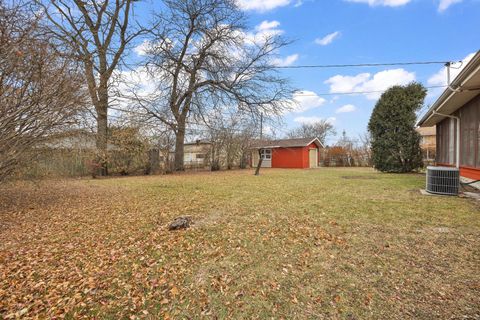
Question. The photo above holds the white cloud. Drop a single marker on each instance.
(261, 5)
(327, 39)
(339, 84)
(287, 61)
(298, 3)
(313, 119)
(304, 100)
(142, 48)
(128, 84)
(372, 85)
(331, 120)
(263, 31)
(442, 6)
(267, 25)
(383, 3)
(383, 80)
(346, 108)
(445, 4)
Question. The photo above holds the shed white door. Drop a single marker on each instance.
(313, 157)
(266, 155)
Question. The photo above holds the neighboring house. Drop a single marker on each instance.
(73, 139)
(288, 153)
(195, 154)
(67, 153)
(456, 114)
(428, 143)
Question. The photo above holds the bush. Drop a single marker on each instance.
(395, 142)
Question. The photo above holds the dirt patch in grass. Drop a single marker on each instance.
(280, 245)
(358, 177)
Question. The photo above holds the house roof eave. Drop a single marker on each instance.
(462, 89)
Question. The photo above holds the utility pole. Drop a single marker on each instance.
(257, 170)
(261, 125)
(448, 65)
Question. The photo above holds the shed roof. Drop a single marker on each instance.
(287, 143)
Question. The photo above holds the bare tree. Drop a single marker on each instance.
(40, 91)
(203, 58)
(165, 142)
(365, 148)
(98, 32)
(320, 129)
(231, 137)
(349, 146)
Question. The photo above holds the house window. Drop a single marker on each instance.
(446, 141)
(200, 156)
(469, 126)
(478, 139)
(266, 154)
(451, 141)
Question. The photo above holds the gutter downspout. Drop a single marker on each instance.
(457, 139)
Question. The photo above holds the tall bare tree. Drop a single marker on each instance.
(365, 148)
(98, 32)
(202, 57)
(231, 137)
(321, 129)
(349, 146)
(40, 91)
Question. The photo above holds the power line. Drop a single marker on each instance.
(360, 65)
(299, 94)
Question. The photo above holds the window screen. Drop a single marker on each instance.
(446, 141)
(470, 134)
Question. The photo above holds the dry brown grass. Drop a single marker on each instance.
(287, 244)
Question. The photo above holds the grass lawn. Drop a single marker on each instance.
(291, 244)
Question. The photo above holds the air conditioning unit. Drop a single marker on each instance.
(443, 180)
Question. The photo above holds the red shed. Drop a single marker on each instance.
(288, 153)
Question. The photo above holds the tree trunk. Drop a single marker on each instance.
(102, 133)
(243, 160)
(153, 161)
(259, 165)
(179, 142)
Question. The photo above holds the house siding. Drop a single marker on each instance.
(288, 157)
(469, 116)
(297, 157)
(289, 153)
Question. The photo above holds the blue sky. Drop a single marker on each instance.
(363, 31)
